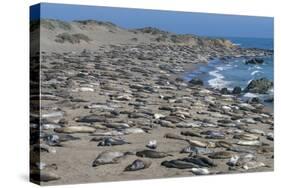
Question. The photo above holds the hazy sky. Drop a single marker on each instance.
(177, 22)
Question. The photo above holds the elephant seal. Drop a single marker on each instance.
(202, 144)
(238, 160)
(246, 136)
(117, 125)
(249, 143)
(221, 155)
(152, 154)
(206, 160)
(176, 163)
(108, 133)
(133, 130)
(112, 142)
(174, 136)
(200, 171)
(211, 134)
(200, 160)
(223, 144)
(75, 129)
(39, 175)
(56, 139)
(152, 144)
(252, 165)
(196, 150)
(138, 165)
(43, 148)
(190, 133)
(108, 157)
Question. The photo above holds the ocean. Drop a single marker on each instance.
(235, 72)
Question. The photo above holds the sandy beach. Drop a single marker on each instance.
(128, 85)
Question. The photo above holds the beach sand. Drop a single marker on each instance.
(136, 80)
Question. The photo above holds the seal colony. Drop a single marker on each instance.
(114, 106)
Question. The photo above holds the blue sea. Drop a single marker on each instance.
(234, 72)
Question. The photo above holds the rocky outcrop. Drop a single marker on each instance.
(236, 90)
(259, 86)
(254, 61)
(224, 91)
(196, 81)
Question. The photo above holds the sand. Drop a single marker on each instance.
(65, 67)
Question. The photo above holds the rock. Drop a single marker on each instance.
(254, 61)
(259, 86)
(224, 91)
(196, 81)
(254, 100)
(236, 90)
(269, 100)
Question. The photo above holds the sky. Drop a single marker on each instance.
(178, 22)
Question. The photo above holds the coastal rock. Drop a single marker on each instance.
(196, 81)
(259, 86)
(254, 61)
(254, 100)
(236, 90)
(224, 91)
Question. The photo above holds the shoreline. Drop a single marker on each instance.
(200, 70)
(98, 97)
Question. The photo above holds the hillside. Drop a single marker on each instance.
(69, 36)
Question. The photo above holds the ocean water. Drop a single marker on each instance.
(234, 72)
